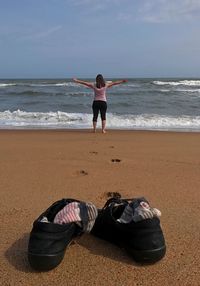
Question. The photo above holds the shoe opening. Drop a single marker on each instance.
(117, 211)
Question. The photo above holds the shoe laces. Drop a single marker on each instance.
(117, 201)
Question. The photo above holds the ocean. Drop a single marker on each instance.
(140, 104)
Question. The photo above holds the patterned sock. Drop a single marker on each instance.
(70, 213)
(88, 213)
(127, 215)
(83, 214)
(138, 210)
(92, 215)
(144, 211)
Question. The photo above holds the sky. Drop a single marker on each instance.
(81, 38)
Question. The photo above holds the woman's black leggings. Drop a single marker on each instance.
(99, 105)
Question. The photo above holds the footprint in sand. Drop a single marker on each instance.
(109, 195)
(82, 172)
(113, 195)
(94, 152)
(115, 160)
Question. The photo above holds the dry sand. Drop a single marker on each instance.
(40, 167)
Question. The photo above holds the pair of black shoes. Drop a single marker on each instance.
(131, 224)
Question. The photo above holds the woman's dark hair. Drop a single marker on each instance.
(100, 82)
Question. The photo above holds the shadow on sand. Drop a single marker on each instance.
(16, 254)
(103, 248)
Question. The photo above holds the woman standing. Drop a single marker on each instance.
(100, 102)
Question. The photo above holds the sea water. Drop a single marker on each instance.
(140, 104)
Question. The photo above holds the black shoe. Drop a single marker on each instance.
(48, 241)
(143, 239)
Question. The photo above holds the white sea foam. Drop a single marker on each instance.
(180, 82)
(155, 122)
(22, 119)
(41, 84)
(131, 85)
(7, 84)
(188, 90)
(70, 84)
(164, 90)
(66, 84)
(58, 119)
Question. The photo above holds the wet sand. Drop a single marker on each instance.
(40, 167)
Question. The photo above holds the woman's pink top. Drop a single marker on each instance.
(100, 93)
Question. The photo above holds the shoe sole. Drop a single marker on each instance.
(147, 256)
(45, 262)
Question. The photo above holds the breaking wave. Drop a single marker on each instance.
(180, 82)
(63, 120)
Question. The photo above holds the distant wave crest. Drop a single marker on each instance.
(6, 84)
(42, 84)
(181, 82)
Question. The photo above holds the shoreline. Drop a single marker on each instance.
(39, 167)
(89, 130)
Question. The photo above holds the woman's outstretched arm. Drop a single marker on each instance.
(86, 83)
(116, 82)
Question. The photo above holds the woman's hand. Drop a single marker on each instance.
(88, 84)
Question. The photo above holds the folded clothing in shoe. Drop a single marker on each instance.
(70, 213)
(44, 219)
(139, 209)
(83, 214)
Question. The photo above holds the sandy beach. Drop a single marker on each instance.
(40, 167)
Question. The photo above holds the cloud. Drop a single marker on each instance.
(124, 17)
(27, 33)
(117, 9)
(152, 11)
(164, 11)
(95, 5)
(44, 34)
(95, 2)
